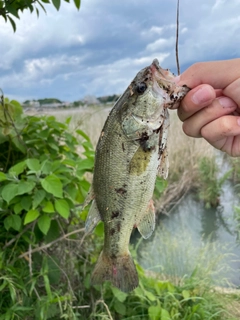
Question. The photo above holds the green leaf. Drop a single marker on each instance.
(121, 296)
(68, 120)
(53, 146)
(18, 168)
(18, 144)
(11, 9)
(46, 167)
(99, 230)
(62, 208)
(165, 315)
(33, 164)
(17, 208)
(87, 145)
(77, 3)
(56, 3)
(12, 23)
(83, 134)
(9, 191)
(31, 215)
(120, 307)
(48, 207)
(186, 294)
(71, 190)
(53, 185)
(44, 223)
(3, 176)
(26, 202)
(38, 198)
(150, 295)
(13, 221)
(25, 186)
(18, 110)
(69, 162)
(85, 164)
(54, 232)
(154, 312)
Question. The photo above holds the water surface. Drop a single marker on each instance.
(195, 239)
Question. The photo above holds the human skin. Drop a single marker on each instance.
(212, 108)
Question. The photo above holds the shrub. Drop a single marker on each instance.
(42, 182)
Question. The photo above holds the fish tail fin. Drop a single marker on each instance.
(120, 271)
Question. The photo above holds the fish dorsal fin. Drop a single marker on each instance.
(93, 218)
(147, 224)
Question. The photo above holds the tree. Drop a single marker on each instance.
(11, 8)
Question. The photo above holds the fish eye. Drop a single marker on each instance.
(141, 87)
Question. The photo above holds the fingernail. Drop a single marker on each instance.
(238, 121)
(201, 96)
(226, 102)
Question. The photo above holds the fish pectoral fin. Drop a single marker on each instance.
(147, 224)
(163, 164)
(93, 218)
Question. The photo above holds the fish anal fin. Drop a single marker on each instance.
(120, 271)
(147, 224)
(93, 218)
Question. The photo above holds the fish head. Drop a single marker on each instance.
(148, 97)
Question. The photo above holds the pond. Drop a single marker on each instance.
(193, 239)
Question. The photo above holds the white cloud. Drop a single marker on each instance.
(160, 44)
(217, 4)
(183, 30)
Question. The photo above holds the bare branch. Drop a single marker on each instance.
(48, 245)
(17, 237)
(106, 307)
(81, 307)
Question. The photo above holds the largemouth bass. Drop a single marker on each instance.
(131, 151)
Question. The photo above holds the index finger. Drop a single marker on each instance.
(218, 74)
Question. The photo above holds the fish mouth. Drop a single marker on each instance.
(164, 77)
(160, 73)
(164, 85)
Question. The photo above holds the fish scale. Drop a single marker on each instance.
(131, 150)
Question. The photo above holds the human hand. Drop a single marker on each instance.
(212, 108)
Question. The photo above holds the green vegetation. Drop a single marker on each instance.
(10, 9)
(43, 101)
(156, 299)
(42, 184)
(46, 260)
(109, 99)
(210, 184)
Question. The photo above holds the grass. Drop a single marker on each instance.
(177, 259)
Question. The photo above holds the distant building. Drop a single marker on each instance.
(91, 100)
(33, 104)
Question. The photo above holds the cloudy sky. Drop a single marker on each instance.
(98, 50)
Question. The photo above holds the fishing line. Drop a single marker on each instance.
(177, 33)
